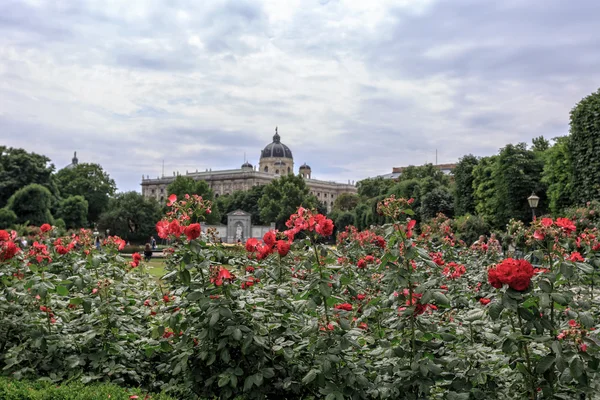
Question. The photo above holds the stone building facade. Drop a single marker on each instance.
(276, 159)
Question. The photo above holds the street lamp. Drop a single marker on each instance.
(533, 203)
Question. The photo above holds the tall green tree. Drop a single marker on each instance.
(464, 196)
(282, 197)
(517, 175)
(89, 181)
(373, 187)
(7, 218)
(247, 201)
(31, 204)
(19, 168)
(584, 147)
(484, 188)
(558, 176)
(346, 202)
(131, 216)
(439, 200)
(73, 211)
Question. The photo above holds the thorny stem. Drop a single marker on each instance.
(528, 360)
(322, 279)
(412, 315)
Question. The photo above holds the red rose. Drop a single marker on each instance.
(575, 256)
(222, 274)
(8, 250)
(175, 229)
(45, 228)
(162, 227)
(283, 248)
(192, 231)
(538, 235)
(324, 226)
(485, 301)
(251, 245)
(4, 236)
(343, 306)
(547, 222)
(269, 238)
(566, 224)
(172, 199)
(514, 273)
(361, 264)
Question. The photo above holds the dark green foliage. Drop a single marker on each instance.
(341, 219)
(470, 227)
(89, 181)
(7, 218)
(374, 187)
(131, 216)
(438, 200)
(11, 389)
(484, 188)
(425, 171)
(464, 202)
(282, 197)
(517, 174)
(346, 202)
(584, 146)
(241, 200)
(32, 204)
(73, 211)
(557, 175)
(19, 168)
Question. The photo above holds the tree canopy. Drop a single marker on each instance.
(31, 204)
(73, 211)
(282, 197)
(19, 168)
(131, 216)
(464, 201)
(89, 181)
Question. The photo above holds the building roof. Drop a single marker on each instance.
(305, 166)
(276, 149)
(74, 161)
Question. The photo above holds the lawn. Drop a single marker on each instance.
(156, 267)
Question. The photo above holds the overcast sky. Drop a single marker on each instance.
(356, 87)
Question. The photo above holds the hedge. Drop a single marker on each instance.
(11, 389)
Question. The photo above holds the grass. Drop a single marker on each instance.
(156, 267)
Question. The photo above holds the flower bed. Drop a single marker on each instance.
(390, 313)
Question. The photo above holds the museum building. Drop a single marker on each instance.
(275, 160)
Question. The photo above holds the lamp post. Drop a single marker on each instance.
(533, 203)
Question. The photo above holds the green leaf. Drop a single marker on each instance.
(560, 299)
(586, 319)
(193, 296)
(324, 289)
(474, 315)
(544, 364)
(87, 306)
(62, 291)
(76, 300)
(576, 367)
(224, 380)
(525, 314)
(441, 298)
(185, 277)
(308, 378)
(214, 318)
(237, 334)
(546, 286)
(248, 383)
(495, 309)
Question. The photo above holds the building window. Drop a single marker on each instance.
(216, 195)
(162, 190)
(276, 171)
(289, 170)
(162, 198)
(324, 194)
(319, 194)
(153, 191)
(332, 204)
(266, 169)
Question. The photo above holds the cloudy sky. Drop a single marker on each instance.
(356, 87)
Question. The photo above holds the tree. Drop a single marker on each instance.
(73, 211)
(539, 144)
(131, 216)
(584, 147)
(373, 187)
(282, 197)
(439, 200)
(89, 181)
(18, 168)
(341, 219)
(247, 201)
(7, 218)
(517, 175)
(346, 202)
(464, 200)
(31, 204)
(484, 188)
(425, 171)
(557, 175)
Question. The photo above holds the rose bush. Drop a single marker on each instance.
(398, 311)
